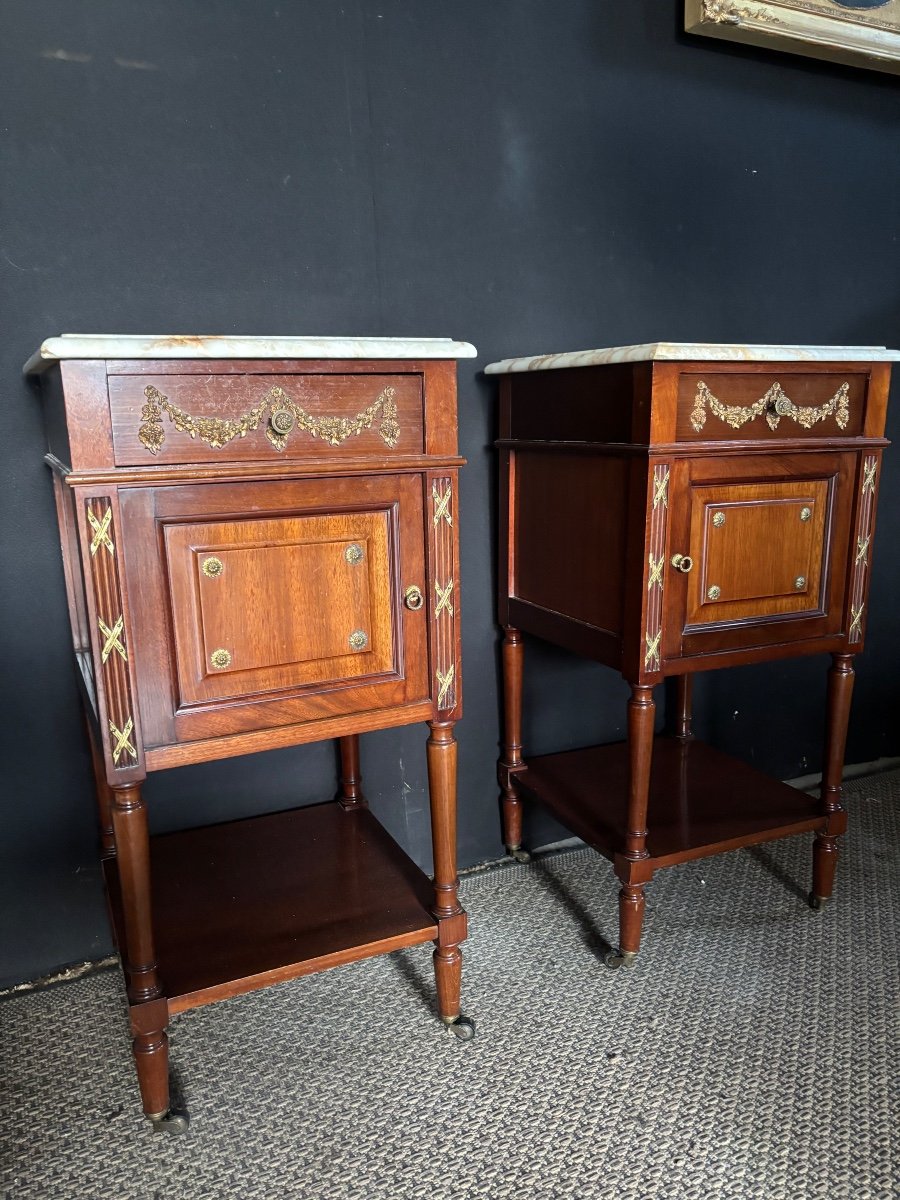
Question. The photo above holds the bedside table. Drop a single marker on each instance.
(260, 544)
(673, 508)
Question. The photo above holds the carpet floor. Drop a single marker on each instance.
(752, 1053)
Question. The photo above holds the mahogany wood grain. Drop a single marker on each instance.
(264, 604)
(347, 466)
(513, 653)
(136, 942)
(587, 790)
(825, 847)
(242, 905)
(351, 793)
(566, 549)
(231, 397)
(738, 388)
(86, 415)
(758, 560)
(104, 794)
(723, 541)
(73, 570)
(182, 754)
(442, 757)
(157, 517)
(684, 687)
(315, 542)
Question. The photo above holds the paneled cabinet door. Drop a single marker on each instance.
(267, 603)
(757, 550)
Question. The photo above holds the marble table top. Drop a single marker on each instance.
(694, 352)
(122, 346)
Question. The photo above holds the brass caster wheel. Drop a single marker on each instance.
(619, 958)
(520, 855)
(171, 1123)
(817, 903)
(463, 1028)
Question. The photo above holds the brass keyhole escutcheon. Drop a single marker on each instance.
(800, 583)
(358, 639)
(220, 659)
(805, 514)
(413, 598)
(718, 519)
(714, 592)
(282, 421)
(682, 563)
(354, 554)
(212, 567)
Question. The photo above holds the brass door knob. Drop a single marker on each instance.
(413, 598)
(682, 563)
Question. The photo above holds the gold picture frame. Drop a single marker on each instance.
(863, 33)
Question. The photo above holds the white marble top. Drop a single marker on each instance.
(694, 352)
(78, 345)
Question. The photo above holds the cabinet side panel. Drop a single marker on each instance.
(570, 522)
(581, 404)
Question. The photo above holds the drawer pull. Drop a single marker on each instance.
(220, 659)
(358, 640)
(718, 519)
(775, 404)
(682, 563)
(413, 598)
(354, 554)
(714, 592)
(282, 421)
(800, 583)
(805, 514)
(212, 567)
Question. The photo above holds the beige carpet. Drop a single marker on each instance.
(752, 1054)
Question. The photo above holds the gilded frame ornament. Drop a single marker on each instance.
(863, 33)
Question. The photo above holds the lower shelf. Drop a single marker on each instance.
(242, 905)
(701, 800)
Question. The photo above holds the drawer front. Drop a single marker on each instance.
(257, 605)
(758, 551)
(719, 406)
(239, 418)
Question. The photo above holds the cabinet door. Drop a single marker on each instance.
(758, 551)
(271, 603)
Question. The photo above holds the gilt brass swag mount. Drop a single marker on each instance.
(775, 404)
(284, 416)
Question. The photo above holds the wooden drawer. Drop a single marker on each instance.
(777, 405)
(264, 604)
(198, 418)
(766, 541)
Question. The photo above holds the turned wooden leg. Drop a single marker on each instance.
(631, 864)
(513, 659)
(451, 918)
(148, 1009)
(351, 780)
(104, 795)
(825, 847)
(684, 686)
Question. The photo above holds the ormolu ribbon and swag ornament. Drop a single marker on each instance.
(284, 415)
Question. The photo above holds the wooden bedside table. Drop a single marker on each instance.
(674, 508)
(260, 543)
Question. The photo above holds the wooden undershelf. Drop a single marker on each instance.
(701, 800)
(245, 904)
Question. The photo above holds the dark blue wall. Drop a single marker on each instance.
(530, 176)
